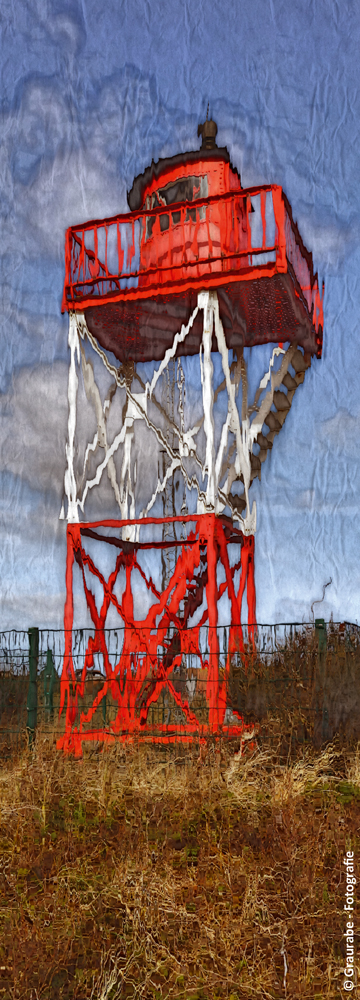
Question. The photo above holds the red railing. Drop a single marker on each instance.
(231, 237)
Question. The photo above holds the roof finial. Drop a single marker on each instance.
(208, 132)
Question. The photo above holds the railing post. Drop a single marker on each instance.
(68, 276)
(279, 213)
(31, 704)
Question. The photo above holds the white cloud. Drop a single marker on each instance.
(328, 243)
(341, 432)
(306, 499)
(34, 425)
(34, 415)
(66, 158)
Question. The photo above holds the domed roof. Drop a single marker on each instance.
(209, 152)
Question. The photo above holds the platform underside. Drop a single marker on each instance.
(266, 310)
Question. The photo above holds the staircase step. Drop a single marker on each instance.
(263, 441)
(299, 362)
(272, 422)
(281, 401)
(289, 382)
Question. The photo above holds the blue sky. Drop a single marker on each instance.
(89, 95)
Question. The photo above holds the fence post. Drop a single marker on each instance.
(49, 675)
(322, 642)
(103, 706)
(31, 704)
(321, 634)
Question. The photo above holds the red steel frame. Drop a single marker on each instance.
(136, 689)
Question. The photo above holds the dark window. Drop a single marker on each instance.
(184, 189)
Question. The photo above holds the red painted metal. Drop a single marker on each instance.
(192, 245)
(157, 644)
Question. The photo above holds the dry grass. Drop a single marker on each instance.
(165, 873)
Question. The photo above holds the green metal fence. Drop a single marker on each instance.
(307, 672)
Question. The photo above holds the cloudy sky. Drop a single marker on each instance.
(89, 95)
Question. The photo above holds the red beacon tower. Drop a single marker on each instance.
(165, 304)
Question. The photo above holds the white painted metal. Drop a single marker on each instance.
(70, 481)
(216, 469)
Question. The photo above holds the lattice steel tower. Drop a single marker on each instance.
(164, 305)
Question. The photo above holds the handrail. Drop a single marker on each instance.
(174, 206)
(189, 242)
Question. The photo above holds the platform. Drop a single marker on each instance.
(136, 276)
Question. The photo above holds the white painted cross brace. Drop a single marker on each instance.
(70, 481)
(230, 462)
